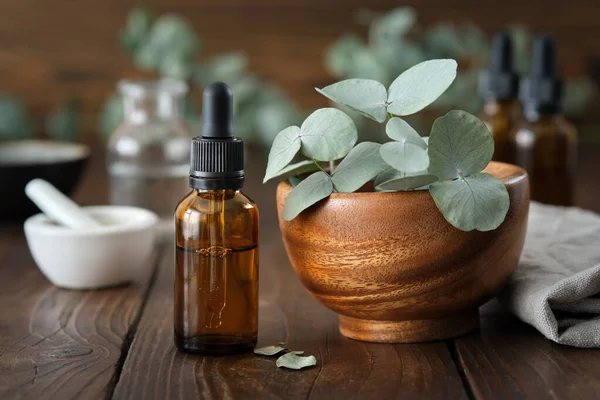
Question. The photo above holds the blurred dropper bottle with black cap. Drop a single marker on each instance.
(216, 233)
(499, 87)
(544, 143)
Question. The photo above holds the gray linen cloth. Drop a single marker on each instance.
(556, 287)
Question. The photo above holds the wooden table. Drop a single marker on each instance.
(117, 343)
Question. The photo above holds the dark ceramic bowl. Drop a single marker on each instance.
(59, 163)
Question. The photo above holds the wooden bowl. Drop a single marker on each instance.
(394, 269)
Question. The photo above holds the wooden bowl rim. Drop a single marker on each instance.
(510, 175)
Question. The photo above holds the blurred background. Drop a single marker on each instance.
(60, 60)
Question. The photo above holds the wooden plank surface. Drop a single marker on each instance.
(62, 344)
(59, 344)
(78, 344)
(508, 359)
(154, 369)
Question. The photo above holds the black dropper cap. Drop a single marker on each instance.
(500, 81)
(217, 156)
(542, 91)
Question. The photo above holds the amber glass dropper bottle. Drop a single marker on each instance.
(545, 143)
(499, 88)
(216, 233)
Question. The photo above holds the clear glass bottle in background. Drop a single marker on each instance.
(148, 154)
(499, 87)
(216, 240)
(544, 143)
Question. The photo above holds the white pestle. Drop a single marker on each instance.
(57, 206)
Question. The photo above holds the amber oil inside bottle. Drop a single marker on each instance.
(216, 273)
(545, 145)
(500, 117)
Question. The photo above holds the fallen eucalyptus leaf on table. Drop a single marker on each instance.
(269, 350)
(294, 361)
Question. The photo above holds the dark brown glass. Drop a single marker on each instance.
(500, 117)
(216, 272)
(545, 145)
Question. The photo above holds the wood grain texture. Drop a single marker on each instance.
(346, 369)
(48, 54)
(57, 343)
(507, 359)
(393, 267)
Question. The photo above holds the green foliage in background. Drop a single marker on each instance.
(448, 162)
(168, 47)
(396, 42)
(15, 122)
(62, 123)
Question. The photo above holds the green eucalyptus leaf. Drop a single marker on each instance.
(311, 190)
(339, 56)
(399, 55)
(172, 37)
(444, 40)
(399, 130)
(299, 168)
(268, 350)
(14, 119)
(366, 96)
(272, 116)
(407, 182)
(366, 65)
(419, 86)
(176, 66)
(284, 148)
(409, 154)
(111, 116)
(387, 175)
(294, 181)
(478, 201)
(295, 361)
(459, 144)
(137, 28)
(361, 165)
(228, 68)
(392, 25)
(63, 122)
(327, 134)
